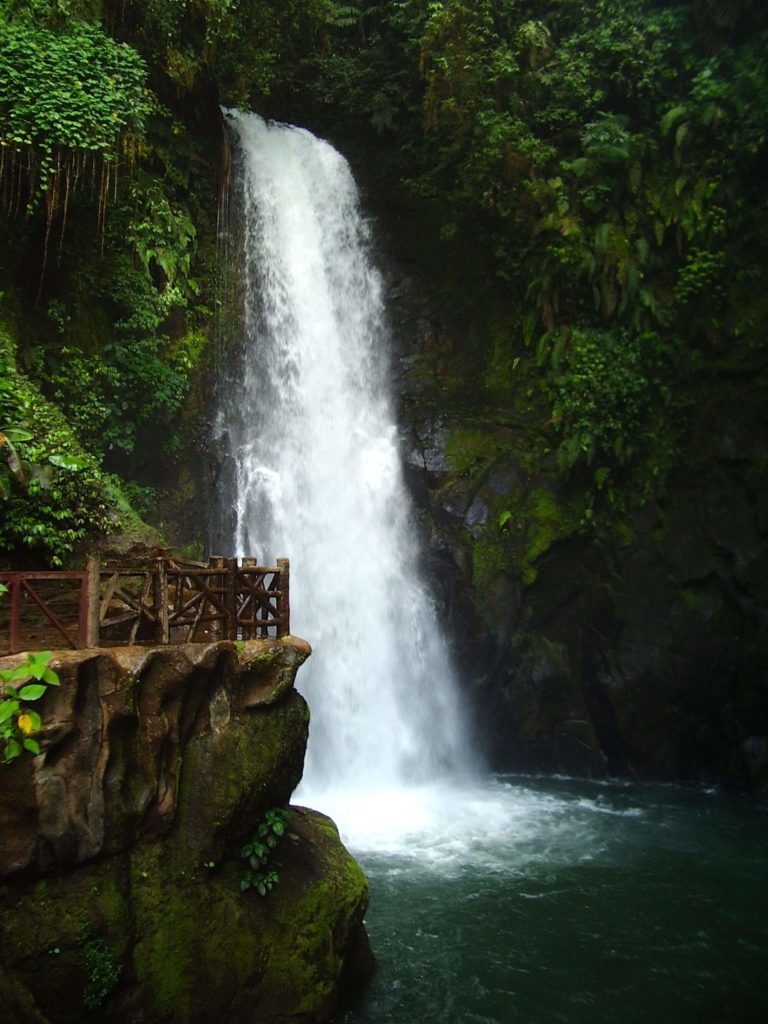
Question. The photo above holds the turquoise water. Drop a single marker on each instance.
(546, 900)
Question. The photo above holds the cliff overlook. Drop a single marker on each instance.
(122, 842)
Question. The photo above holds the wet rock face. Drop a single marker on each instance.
(640, 651)
(121, 847)
(639, 654)
(636, 646)
(115, 735)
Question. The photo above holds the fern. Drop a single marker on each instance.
(343, 15)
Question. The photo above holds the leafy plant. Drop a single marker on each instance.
(52, 491)
(67, 89)
(19, 724)
(343, 15)
(259, 873)
(12, 468)
(103, 972)
(604, 395)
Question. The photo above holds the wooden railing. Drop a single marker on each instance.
(162, 601)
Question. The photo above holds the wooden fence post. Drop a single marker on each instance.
(219, 627)
(284, 612)
(92, 580)
(14, 624)
(160, 600)
(249, 629)
(230, 598)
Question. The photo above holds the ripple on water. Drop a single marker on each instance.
(550, 900)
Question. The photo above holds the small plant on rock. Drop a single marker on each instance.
(103, 972)
(259, 873)
(18, 723)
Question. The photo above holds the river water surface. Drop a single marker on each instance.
(551, 900)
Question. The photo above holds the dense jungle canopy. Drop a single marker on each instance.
(593, 172)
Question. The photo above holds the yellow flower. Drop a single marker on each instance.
(24, 722)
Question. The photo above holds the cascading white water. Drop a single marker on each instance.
(311, 430)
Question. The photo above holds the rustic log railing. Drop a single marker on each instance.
(162, 601)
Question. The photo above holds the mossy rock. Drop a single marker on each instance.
(136, 938)
(207, 950)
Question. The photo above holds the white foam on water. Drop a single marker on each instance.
(496, 826)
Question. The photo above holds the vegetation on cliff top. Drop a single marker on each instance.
(601, 162)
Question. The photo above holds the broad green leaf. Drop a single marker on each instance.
(12, 749)
(8, 708)
(672, 117)
(36, 722)
(17, 434)
(32, 692)
(69, 462)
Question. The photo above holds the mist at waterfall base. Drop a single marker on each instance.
(493, 899)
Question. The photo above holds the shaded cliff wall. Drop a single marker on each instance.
(599, 634)
(121, 844)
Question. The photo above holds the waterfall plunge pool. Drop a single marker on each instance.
(553, 900)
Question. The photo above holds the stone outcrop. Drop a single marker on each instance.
(596, 638)
(635, 647)
(120, 846)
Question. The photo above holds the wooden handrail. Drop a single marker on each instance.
(162, 601)
(22, 584)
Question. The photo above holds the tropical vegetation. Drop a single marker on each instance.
(601, 161)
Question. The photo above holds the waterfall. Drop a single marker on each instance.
(307, 422)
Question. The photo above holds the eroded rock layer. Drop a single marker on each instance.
(121, 843)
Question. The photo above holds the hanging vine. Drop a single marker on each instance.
(72, 109)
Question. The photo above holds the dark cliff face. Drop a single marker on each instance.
(626, 638)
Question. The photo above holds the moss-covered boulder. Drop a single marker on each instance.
(122, 847)
(139, 938)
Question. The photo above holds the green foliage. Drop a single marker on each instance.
(139, 376)
(103, 972)
(606, 158)
(365, 83)
(122, 376)
(13, 468)
(57, 494)
(65, 85)
(243, 44)
(259, 873)
(19, 724)
(605, 394)
(131, 380)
